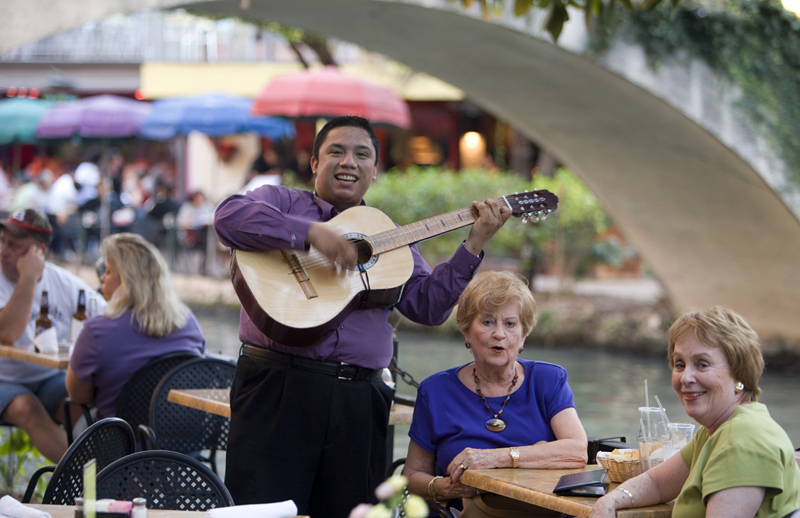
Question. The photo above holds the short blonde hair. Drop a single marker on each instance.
(720, 327)
(145, 285)
(493, 289)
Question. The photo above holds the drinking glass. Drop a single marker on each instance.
(681, 434)
(91, 304)
(655, 440)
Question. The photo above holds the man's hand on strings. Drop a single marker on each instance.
(340, 252)
(492, 214)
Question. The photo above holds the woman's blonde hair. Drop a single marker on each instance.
(145, 285)
(720, 327)
(493, 289)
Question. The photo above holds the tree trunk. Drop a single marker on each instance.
(320, 48)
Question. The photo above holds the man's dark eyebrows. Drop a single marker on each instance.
(364, 147)
(358, 147)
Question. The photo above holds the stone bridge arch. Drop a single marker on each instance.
(710, 226)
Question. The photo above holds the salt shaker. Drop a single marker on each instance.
(139, 508)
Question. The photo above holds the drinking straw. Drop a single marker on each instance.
(644, 432)
(663, 412)
(647, 407)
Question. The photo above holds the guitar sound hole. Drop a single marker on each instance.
(364, 251)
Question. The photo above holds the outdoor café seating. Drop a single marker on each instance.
(178, 428)
(133, 404)
(166, 479)
(105, 441)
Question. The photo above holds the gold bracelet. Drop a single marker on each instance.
(432, 490)
(630, 495)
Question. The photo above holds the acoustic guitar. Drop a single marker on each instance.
(295, 297)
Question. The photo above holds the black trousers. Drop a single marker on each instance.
(305, 436)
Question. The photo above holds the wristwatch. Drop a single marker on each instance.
(514, 454)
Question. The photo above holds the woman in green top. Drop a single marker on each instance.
(740, 462)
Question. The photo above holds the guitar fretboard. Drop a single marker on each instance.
(421, 230)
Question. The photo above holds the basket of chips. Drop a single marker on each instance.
(621, 464)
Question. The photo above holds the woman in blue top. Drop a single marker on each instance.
(498, 411)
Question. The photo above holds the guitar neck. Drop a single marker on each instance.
(421, 230)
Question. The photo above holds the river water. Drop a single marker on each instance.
(609, 386)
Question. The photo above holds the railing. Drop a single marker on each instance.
(156, 36)
(189, 251)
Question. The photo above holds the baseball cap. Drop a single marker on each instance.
(28, 223)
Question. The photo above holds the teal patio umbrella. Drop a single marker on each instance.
(19, 117)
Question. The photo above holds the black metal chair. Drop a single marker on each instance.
(105, 441)
(178, 428)
(166, 479)
(133, 404)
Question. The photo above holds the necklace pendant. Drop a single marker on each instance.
(495, 425)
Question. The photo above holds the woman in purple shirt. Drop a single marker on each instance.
(144, 319)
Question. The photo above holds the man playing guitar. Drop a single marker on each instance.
(309, 421)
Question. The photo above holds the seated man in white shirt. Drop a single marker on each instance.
(31, 396)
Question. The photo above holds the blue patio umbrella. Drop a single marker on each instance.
(19, 117)
(215, 115)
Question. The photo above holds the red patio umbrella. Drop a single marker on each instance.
(327, 92)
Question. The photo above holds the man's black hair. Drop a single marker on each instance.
(345, 121)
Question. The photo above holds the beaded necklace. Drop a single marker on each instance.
(495, 424)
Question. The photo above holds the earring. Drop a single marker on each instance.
(467, 345)
(738, 387)
(520, 350)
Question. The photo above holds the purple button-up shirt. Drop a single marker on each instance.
(274, 217)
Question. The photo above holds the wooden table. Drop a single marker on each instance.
(54, 361)
(68, 511)
(217, 401)
(535, 486)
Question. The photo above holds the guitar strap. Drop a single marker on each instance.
(365, 282)
(369, 299)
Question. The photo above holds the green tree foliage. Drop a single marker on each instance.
(573, 242)
(566, 239)
(557, 13)
(16, 454)
(753, 43)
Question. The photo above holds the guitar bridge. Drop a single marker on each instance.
(300, 275)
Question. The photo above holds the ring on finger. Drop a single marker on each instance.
(462, 467)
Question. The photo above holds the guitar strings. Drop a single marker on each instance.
(313, 260)
(404, 235)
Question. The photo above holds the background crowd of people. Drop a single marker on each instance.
(104, 193)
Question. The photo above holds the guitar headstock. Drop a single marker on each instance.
(532, 205)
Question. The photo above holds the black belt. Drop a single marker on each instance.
(343, 371)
